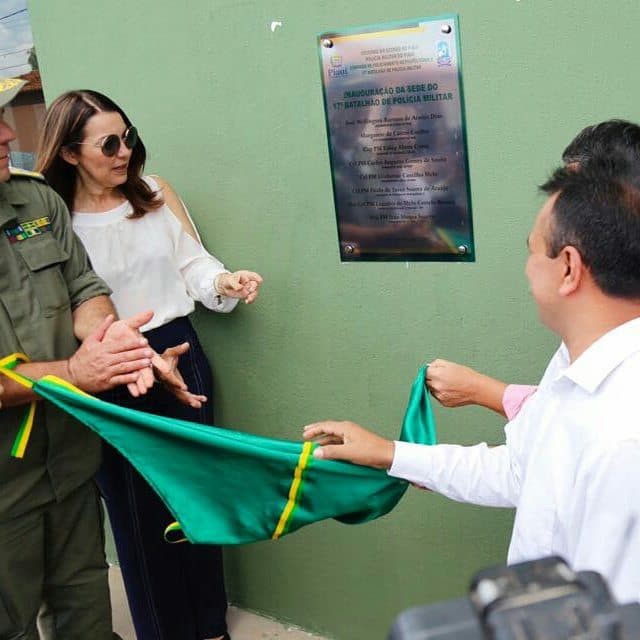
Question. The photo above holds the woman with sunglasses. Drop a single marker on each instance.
(142, 241)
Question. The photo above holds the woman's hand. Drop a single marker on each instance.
(239, 284)
(165, 368)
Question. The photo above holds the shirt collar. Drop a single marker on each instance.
(603, 356)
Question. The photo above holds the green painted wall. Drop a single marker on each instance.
(232, 114)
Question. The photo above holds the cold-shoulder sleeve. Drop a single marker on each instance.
(197, 266)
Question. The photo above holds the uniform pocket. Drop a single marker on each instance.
(45, 259)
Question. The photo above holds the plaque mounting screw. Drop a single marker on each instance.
(445, 28)
(327, 43)
(463, 249)
(348, 249)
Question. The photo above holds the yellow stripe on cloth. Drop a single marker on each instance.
(16, 377)
(22, 439)
(24, 432)
(294, 490)
(11, 361)
(61, 382)
(174, 526)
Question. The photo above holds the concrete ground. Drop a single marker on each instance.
(243, 625)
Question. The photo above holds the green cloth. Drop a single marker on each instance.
(44, 274)
(227, 487)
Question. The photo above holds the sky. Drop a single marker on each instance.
(15, 38)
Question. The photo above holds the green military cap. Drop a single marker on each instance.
(9, 88)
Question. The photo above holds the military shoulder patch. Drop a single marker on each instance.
(23, 173)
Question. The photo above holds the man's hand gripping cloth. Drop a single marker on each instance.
(228, 487)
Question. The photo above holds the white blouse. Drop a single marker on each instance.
(150, 262)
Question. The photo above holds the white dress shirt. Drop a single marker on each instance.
(570, 465)
(150, 262)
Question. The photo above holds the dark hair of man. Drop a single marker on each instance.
(609, 139)
(64, 127)
(597, 211)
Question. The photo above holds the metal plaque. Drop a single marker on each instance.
(395, 126)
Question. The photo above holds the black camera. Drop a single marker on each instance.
(538, 600)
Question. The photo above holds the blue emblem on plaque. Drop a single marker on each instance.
(443, 56)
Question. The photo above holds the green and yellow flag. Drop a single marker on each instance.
(228, 487)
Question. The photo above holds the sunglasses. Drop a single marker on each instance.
(111, 144)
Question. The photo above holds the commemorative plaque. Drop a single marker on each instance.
(395, 126)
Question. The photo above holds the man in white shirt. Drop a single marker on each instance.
(571, 461)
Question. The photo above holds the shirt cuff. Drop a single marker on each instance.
(213, 300)
(412, 462)
(199, 277)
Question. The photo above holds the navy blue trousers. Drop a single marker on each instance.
(175, 591)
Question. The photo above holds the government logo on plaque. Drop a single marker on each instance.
(395, 126)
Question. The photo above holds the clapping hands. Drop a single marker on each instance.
(117, 353)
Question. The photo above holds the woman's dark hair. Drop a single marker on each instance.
(64, 128)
